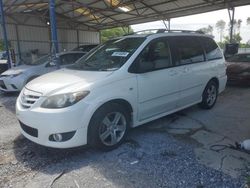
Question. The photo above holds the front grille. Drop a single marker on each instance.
(29, 130)
(28, 98)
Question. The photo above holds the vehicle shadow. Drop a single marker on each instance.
(142, 141)
(8, 100)
(149, 151)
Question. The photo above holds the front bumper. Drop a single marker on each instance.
(8, 84)
(52, 121)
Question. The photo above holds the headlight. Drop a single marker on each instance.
(64, 100)
(245, 74)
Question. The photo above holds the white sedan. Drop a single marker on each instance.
(16, 78)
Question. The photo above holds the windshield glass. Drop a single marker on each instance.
(39, 61)
(109, 56)
(240, 58)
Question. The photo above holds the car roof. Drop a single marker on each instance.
(155, 35)
(165, 34)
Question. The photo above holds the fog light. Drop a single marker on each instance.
(57, 137)
(61, 137)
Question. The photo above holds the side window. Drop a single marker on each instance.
(68, 59)
(156, 55)
(211, 49)
(77, 56)
(188, 50)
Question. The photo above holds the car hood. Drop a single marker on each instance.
(237, 68)
(65, 81)
(16, 70)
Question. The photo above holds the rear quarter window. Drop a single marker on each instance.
(187, 50)
(211, 48)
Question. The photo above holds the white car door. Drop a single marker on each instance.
(157, 80)
(193, 69)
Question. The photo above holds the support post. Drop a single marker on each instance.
(78, 39)
(5, 38)
(53, 28)
(231, 17)
(169, 25)
(18, 45)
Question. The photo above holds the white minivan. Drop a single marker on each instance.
(123, 83)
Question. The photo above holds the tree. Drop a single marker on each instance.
(115, 32)
(238, 25)
(236, 38)
(207, 30)
(248, 21)
(220, 25)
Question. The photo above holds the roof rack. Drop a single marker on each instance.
(154, 31)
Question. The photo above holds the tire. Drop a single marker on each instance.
(209, 96)
(104, 133)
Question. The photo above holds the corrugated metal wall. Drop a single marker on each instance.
(37, 36)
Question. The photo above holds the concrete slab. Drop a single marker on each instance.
(185, 122)
(178, 131)
(207, 138)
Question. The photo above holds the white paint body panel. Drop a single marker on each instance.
(151, 95)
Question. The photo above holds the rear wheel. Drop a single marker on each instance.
(209, 96)
(108, 127)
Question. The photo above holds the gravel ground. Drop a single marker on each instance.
(150, 157)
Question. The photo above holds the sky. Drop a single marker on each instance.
(201, 20)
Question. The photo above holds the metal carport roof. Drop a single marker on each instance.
(102, 14)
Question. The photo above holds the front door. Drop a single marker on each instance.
(158, 80)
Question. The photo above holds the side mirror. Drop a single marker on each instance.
(50, 64)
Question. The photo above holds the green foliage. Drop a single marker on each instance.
(248, 21)
(221, 44)
(114, 32)
(248, 180)
(220, 25)
(1, 45)
(207, 30)
(236, 38)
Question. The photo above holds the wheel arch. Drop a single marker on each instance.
(123, 102)
(216, 80)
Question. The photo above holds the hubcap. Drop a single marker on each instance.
(113, 128)
(212, 93)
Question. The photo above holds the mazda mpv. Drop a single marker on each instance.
(123, 83)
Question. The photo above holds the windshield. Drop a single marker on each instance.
(39, 61)
(109, 56)
(85, 48)
(240, 58)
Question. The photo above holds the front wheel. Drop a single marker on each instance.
(209, 96)
(108, 127)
